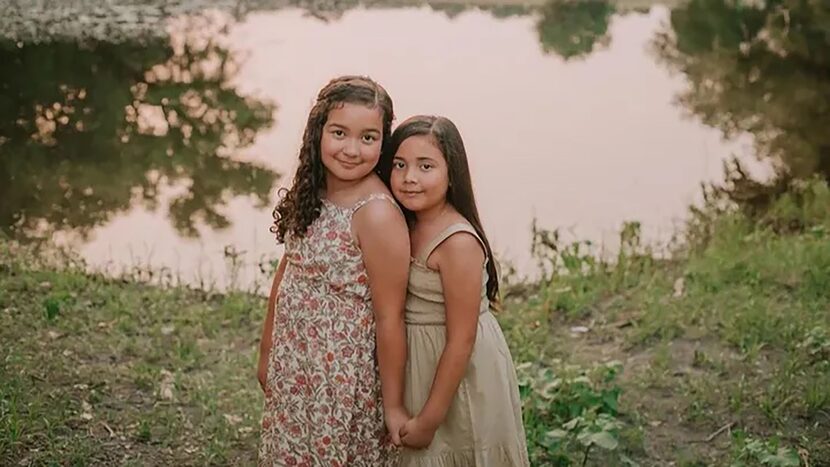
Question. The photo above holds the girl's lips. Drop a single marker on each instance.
(348, 165)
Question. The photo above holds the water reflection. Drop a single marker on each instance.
(574, 29)
(760, 68)
(333, 10)
(92, 128)
(454, 9)
(550, 139)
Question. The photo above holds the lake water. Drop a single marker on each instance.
(581, 137)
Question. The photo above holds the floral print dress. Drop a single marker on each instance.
(322, 397)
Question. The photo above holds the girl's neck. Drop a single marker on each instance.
(338, 188)
(432, 214)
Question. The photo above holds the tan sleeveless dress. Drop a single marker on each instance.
(483, 427)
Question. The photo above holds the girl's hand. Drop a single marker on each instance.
(395, 419)
(416, 434)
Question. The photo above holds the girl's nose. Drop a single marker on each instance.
(351, 148)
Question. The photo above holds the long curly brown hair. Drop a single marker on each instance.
(460, 194)
(300, 205)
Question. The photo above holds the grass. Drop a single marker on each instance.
(715, 354)
(99, 371)
(725, 346)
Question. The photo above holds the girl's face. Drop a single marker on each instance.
(419, 174)
(351, 141)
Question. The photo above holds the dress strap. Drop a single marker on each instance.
(373, 196)
(447, 233)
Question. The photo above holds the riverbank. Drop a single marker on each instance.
(718, 356)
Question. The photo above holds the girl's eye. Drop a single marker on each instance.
(338, 133)
(426, 166)
(369, 138)
(397, 164)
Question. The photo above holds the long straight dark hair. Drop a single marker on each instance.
(460, 194)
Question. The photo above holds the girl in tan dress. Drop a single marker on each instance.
(461, 385)
(334, 334)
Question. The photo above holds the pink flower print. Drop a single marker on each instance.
(324, 314)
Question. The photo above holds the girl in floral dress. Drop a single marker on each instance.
(333, 346)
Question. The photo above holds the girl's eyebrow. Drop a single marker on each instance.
(344, 127)
(425, 158)
(419, 158)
